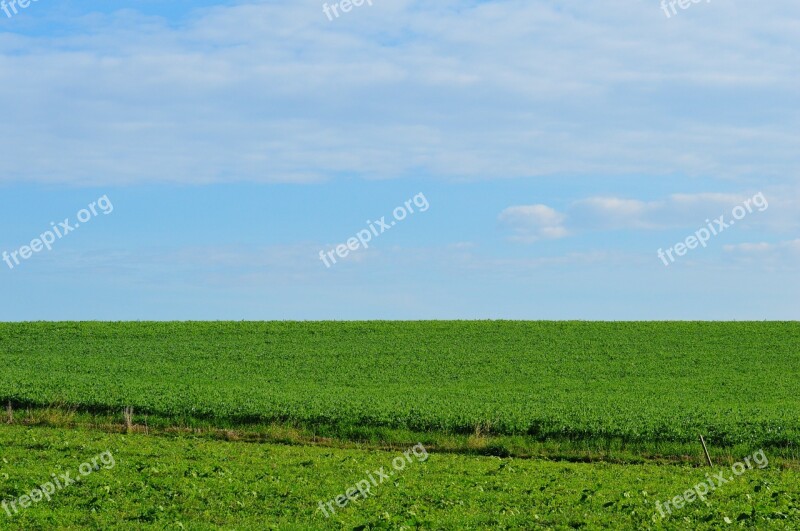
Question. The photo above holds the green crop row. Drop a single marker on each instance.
(737, 383)
(188, 483)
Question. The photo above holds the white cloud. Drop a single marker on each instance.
(770, 257)
(791, 246)
(533, 222)
(274, 92)
(612, 212)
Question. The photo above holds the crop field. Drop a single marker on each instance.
(736, 383)
(187, 483)
(533, 425)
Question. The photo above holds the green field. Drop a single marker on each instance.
(188, 483)
(533, 425)
(737, 383)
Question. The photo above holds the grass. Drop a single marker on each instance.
(478, 443)
(185, 482)
(541, 425)
(593, 387)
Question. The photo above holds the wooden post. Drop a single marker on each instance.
(708, 457)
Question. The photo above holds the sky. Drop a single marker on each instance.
(616, 160)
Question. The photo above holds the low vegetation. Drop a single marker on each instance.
(188, 483)
(609, 385)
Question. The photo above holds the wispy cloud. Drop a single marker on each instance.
(789, 246)
(272, 92)
(535, 222)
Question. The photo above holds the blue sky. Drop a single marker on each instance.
(559, 146)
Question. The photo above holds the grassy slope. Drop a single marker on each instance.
(161, 482)
(735, 382)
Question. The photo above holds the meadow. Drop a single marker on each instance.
(534, 425)
(196, 483)
(609, 385)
